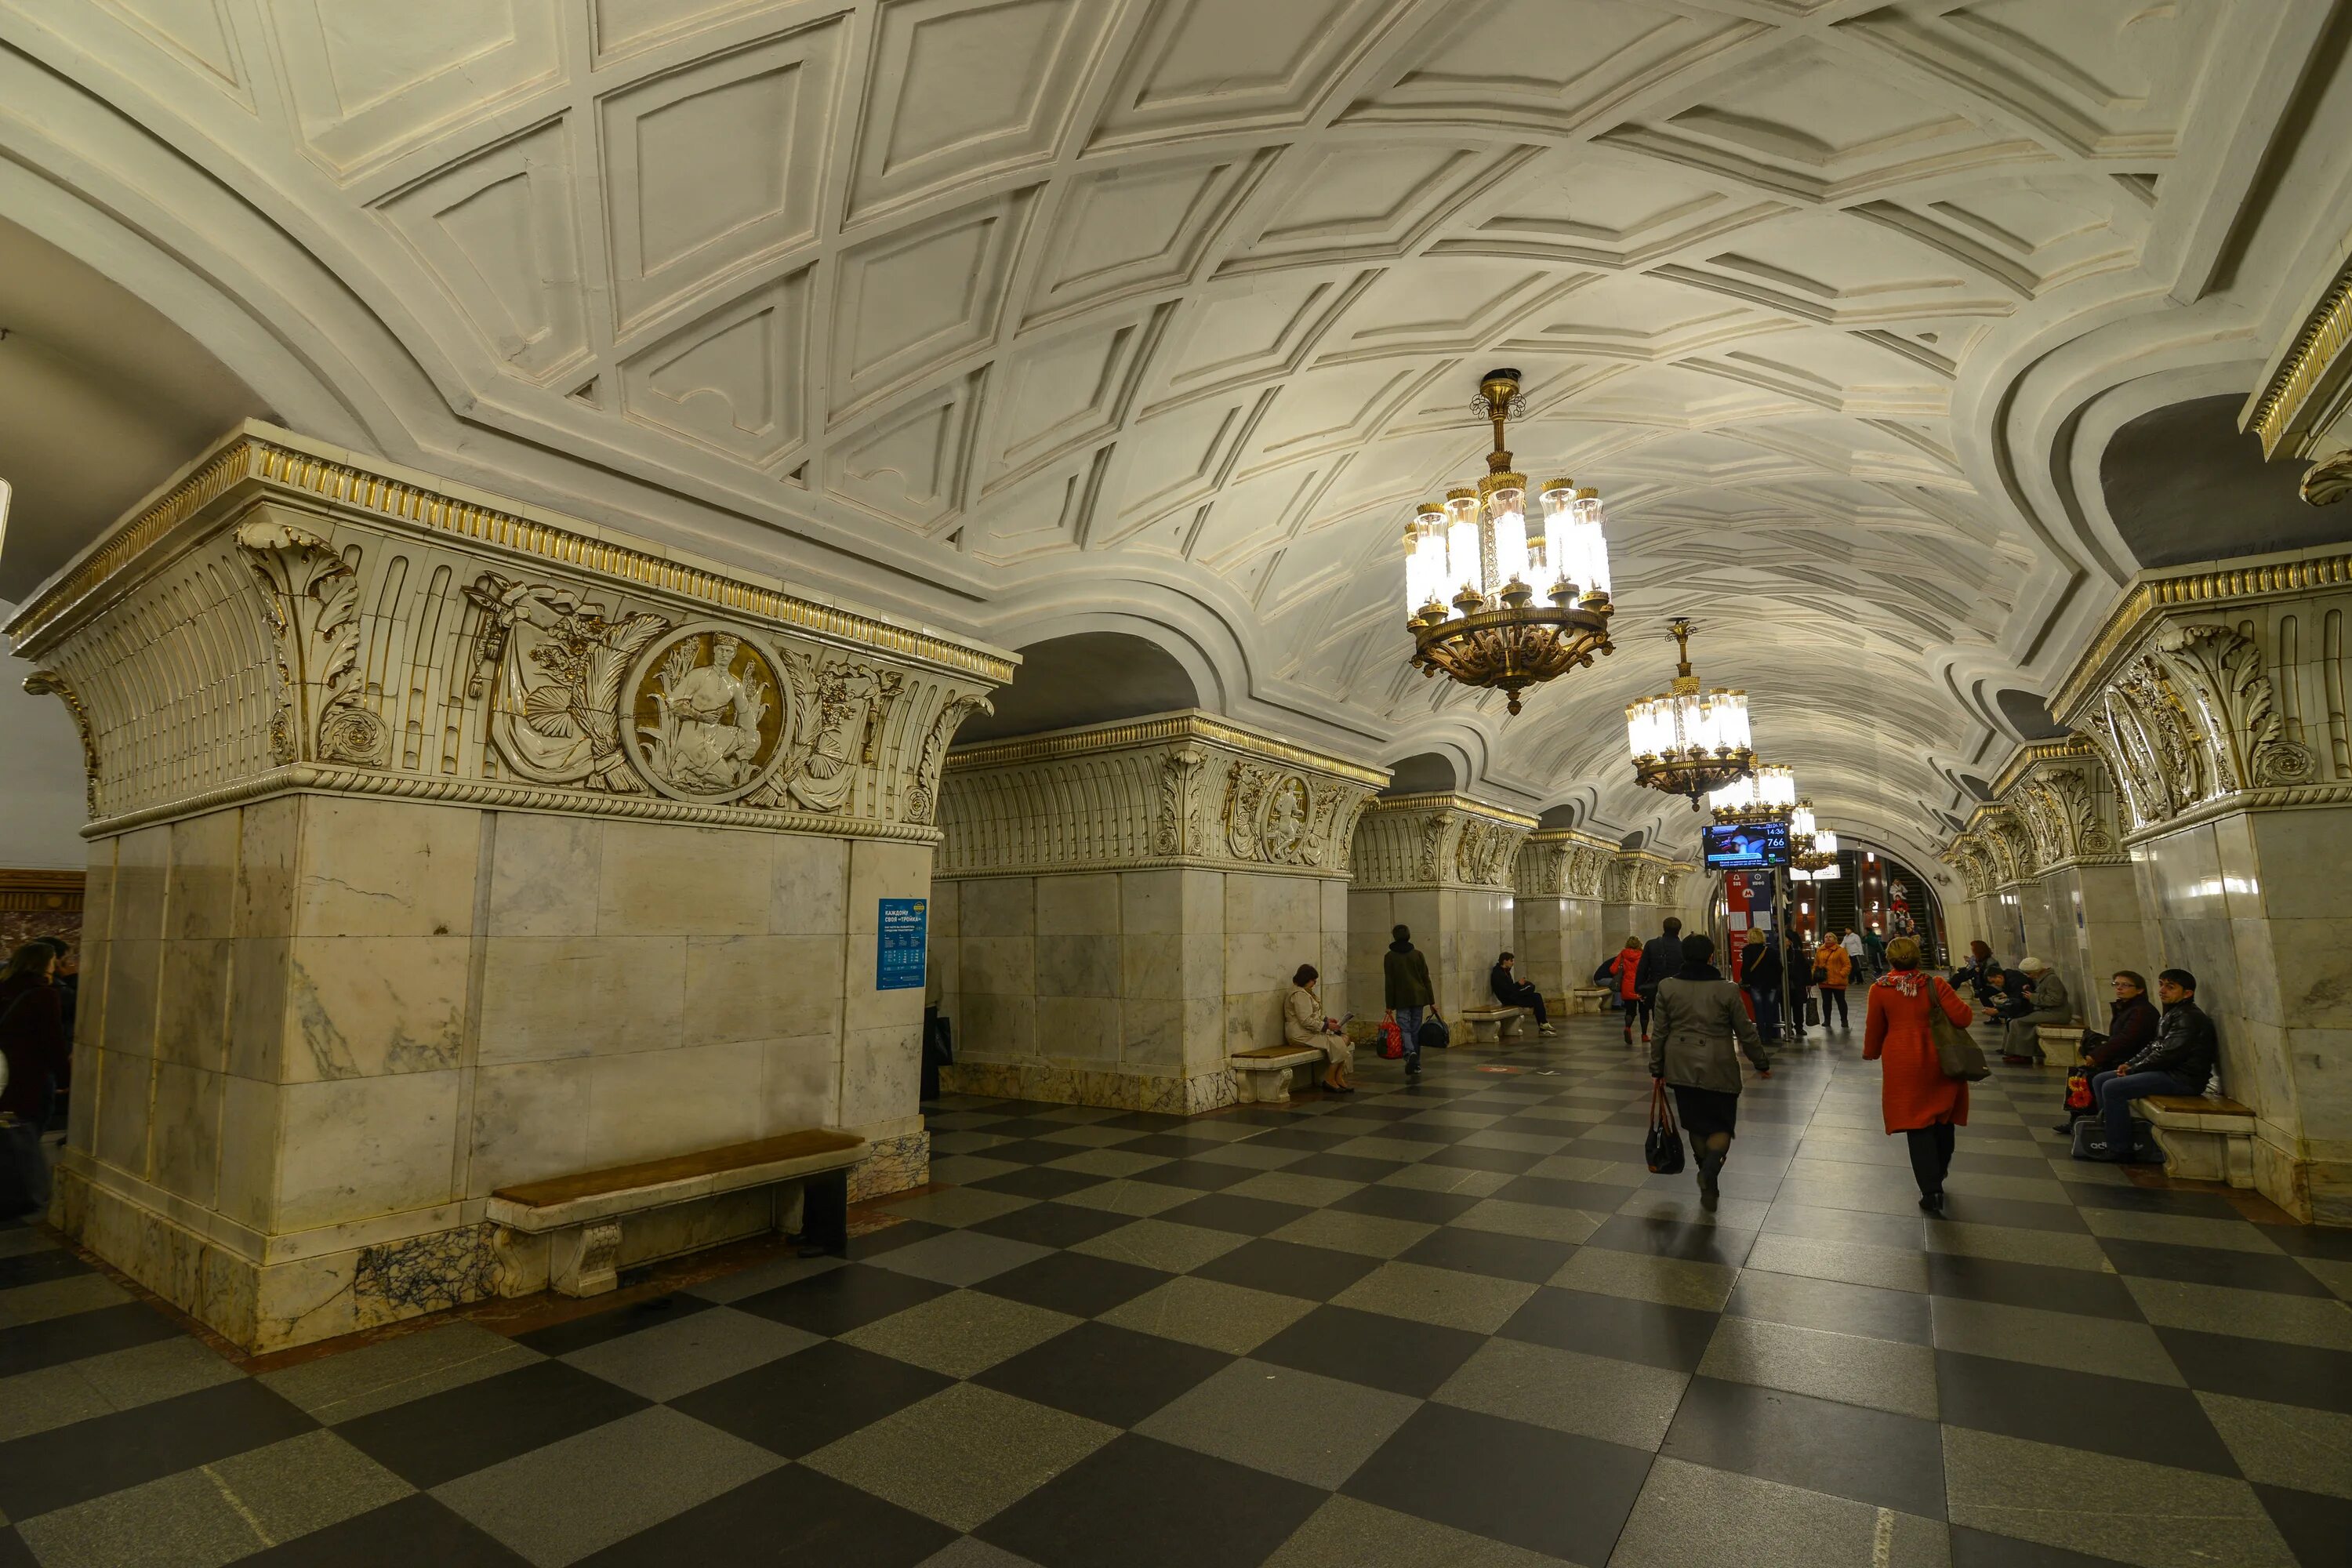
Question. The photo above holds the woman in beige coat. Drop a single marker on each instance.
(1304, 1024)
(1700, 1016)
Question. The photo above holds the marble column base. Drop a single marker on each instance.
(1169, 1095)
(2317, 1192)
(894, 1165)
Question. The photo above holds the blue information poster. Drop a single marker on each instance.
(899, 954)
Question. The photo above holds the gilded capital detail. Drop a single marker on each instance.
(1438, 840)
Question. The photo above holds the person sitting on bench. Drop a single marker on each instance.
(2179, 1061)
(2049, 1005)
(1513, 991)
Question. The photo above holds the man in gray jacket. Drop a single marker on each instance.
(1700, 1015)
(2051, 1005)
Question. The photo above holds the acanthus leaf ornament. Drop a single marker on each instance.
(49, 683)
(309, 597)
(922, 799)
(559, 661)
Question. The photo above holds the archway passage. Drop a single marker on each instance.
(1085, 677)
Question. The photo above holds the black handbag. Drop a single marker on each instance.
(1434, 1036)
(1663, 1147)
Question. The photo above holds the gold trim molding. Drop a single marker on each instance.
(1192, 724)
(1450, 801)
(2316, 348)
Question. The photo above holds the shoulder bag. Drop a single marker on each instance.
(1956, 1054)
(1663, 1147)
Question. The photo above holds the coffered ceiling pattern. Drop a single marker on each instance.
(1165, 311)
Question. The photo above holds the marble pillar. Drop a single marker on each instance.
(2215, 695)
(440, 844)
(1560, 937)
(1441, 864)
(1122, 906)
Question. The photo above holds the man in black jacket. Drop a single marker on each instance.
(1513, 991)
(2177, 1061)
(1661, 959)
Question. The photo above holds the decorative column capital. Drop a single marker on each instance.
(1439, 839)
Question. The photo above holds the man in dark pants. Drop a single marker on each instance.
(1661, 958)
(1513, 991)
(2177, 1061)
(1405, 980)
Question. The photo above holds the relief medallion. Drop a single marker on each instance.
(707, 713)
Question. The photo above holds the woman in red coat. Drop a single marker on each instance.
(1920, 1102)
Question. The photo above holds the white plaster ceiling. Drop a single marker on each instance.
(1043, 316)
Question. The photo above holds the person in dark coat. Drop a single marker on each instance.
(1660, 960)
(2132, 1019)
(1795, 976)
(1513, 991)
(1701, 1016)
(1760, 976)
(33, 1042)
(1405, 980)
(2180, 1061)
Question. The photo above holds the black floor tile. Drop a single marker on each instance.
(578, 1335)
(2262, 1369)
(1144, 1121)
(1485, 1252)
(413, 1532)
(14, 1552)
(1533, 1488)
(2152, 1200)
(1836, 1307)
(1172, 1145)
(2311, 1240)
(1052, 1223)
(1592, 1198)
(1344, 1167)
(1024, 1126)
(1137, 1503)
(33, 1346)
(1503, 1161)
(892, 1237)
(2318, 1529)
(2022, 1215)
(455, 1432)
(792, 1516)
(1418, 1204)
(1030, 1151)
(1074, 1282)
(1978, 1548)
(1373, 1349)
(2212, 1265)
(2076, 1291)
(1418, 1132)
(1197, 1175)
(72, 1464)
(840, 1299)
(1040, 1182)
(39, 1268)
(1673, 1238)
(1243, 1216)
(2123, 1416)
(1869, 1456)
(1105, 1374)
(1286, 1268)
(1307, 1136)
(798, 1404)
(1671, 1337)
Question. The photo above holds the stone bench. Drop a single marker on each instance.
(1492, 1025)
(1261, 1077)
(1591, 999)
(2204, 1138)
(581, 1215)
(2061, 1044)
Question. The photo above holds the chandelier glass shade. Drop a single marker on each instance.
(1801, 828)
(1688, 740)
(1819, 862)
(1767, 794)
(1491, 601)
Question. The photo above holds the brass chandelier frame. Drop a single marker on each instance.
(1691, 772)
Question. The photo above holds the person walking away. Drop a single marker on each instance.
(33, 1046)
(1663, 957)
(1917, 1098)
(1513, 991)
(1405, 980)
(1305, 1024)
(2180, 1061)
(2132, 1019)
(1796, 974)
(2048, 1003)
(1700, 1015)
(1834, 971)
(1873, 952)
(1760, 976)
(1624, 973)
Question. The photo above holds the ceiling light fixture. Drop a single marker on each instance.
(1472, 570)
(1769, 794)
(1686, 740)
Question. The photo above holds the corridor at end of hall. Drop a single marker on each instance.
(1452, 1322)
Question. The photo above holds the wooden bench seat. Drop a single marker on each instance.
(1262, 1075)
(1493, 1025)
(2205, 1138)
(581, 1215)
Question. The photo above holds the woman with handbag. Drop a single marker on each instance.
(1700, 1016)
(1918, 1099)
(1833, 972)
(1304, 1025)
(2132, 1019)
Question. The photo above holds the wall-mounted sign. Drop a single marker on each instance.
(899, 949)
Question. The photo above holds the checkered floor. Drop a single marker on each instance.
(1456, 1324)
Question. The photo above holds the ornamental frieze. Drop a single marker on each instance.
(1438, 840)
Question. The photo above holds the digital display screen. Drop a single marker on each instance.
(1746, 846)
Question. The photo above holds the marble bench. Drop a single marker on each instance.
(2061, 1044)
(1591, 999)
(2204, 1138)
(581, 1215)
(1493, 1025)
(1261, 1077)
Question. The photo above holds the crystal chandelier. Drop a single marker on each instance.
(1686, 740)
(1769, 794)
(1819, 861)
(1473, 572)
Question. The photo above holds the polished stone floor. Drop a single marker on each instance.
(1456, 1324)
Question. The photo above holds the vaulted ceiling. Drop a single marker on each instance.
(1051, 317)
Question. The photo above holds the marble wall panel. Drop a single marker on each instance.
(268, 854)
(1151, 967)
(800, 1082)
(998, 907)
(760, 987)
(2302, 863)
(997, 1026)
(878, 870)
(661, 879)
(201, 900)
(1151, 903)
(808, 892)
(999, 965)
(573, 996)
(529, 1122)
(247, 1192)
(353, 1149)
(646, 1104)
(1077, 966)
(881, 1074)
(142, 871)
(866, 1007)
(380, 867)
(1083, 904)
(366, 1007)
(1079, 1028)
(1151, 1034)
(187, 1132)
(134, 970)
(192, 1000)
(259, 971)
(541, 870)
